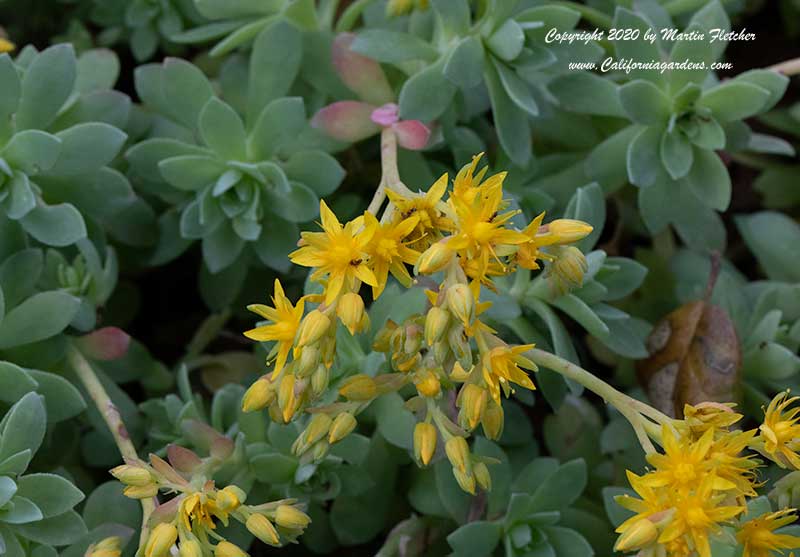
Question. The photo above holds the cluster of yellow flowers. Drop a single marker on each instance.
(469, 238)
(189, 518)
(699, 486)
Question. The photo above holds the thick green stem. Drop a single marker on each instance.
(111, 415)
(633, 410)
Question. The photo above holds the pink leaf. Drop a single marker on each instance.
(108, 343)
(183, 459)
(412, 134)
(346, 121)
(362, 75)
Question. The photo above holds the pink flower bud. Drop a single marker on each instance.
(348, 121)
(412, 134)
(362, 75)
(108, 343)
(386, 115)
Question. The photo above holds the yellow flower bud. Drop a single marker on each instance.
(482, 476)
(466, 480)
(229, 498)
(568, 230)
(427, 383)
(320, 450)
(458, 454)
(275, 413)
(313, 327)
(435, 258)
(161, 539)
(638, 535)
(107, 547)
(316, 429)
(472, 400)
(492, 420)
(424, 442)
(319, 380)
(383, 337)
(259, 395)
(567, 271)
(6, 45)
(128, 474)
(399, 7)
(286, 397)
(260, 526)
(308, 361)
(227, 549)
(190, 548)
(292, 518)
(141, 491)
(436, 324)
(461, 302)
(342, 426)
(359, 387)
(351, 312)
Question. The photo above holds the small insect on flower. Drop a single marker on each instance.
(758, 537)
(338, 254)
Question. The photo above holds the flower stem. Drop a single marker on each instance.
(390, 175)
(633, 410)
(108, 410)
(788, 67)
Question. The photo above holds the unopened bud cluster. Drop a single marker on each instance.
(189, 519)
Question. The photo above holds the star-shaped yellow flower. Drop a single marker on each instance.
(338, 253)
(285, 319)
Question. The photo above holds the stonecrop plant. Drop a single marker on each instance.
(399, 278)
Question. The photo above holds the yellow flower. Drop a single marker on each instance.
(480, 228)
(501, 366)
(697, 515)
(684, 462)
(161, 539)
(107, 547)
(428, 208)
(6, 45)
(557, 232)
(338, 253)
(758, 536)
(779, 437)
(285, 319)
(709, 415)
(388, 250)
(641, 533)
(194, 513)
(729, 464)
